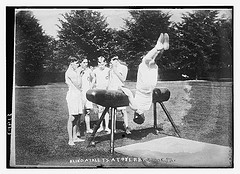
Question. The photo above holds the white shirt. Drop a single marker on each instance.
(72, 76)
(146, 78)
(86, 80)
(102, 77)
(115, 82)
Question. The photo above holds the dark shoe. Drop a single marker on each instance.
(138, 118)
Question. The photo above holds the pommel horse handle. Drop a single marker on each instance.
(110, 99)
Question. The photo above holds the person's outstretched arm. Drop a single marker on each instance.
(123, 74)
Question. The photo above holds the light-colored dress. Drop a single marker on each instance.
(115, 83)
(102, 79)
(86, 85)
(74, 95)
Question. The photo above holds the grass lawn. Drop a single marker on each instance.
(201, 110)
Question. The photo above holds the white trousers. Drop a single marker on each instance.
(143, 101)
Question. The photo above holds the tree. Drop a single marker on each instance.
(198, 43)
(225, 43)
(52, 63)
(84, 33)
(31, 48)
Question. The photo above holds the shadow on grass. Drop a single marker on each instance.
(138, 134)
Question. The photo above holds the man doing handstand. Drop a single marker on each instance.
(146, 79)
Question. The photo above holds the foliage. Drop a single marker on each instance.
(84, 33)
(225, 43)
(200, 43)
(31, 48)
(52, 62)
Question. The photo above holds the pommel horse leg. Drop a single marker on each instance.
(168, 115)
(113, 127)
(171, 120)
(159, 96)
(96, 127)
(155, 117)
(110, 99)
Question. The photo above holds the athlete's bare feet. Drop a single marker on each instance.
(166, 41)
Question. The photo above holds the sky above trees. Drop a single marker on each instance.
(48, 18)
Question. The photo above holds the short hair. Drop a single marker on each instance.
(72, 59)
(81, 60)
(115, 58)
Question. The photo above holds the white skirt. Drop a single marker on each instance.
(74, 102)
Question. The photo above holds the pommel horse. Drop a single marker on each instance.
(112, 99)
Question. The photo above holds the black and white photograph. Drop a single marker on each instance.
(120, 87)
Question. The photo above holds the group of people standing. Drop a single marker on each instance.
(80, 78)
